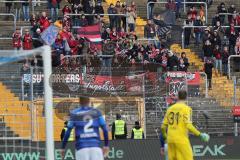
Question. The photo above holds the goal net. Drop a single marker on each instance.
(21, 124)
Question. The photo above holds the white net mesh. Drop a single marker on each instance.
(20, 123)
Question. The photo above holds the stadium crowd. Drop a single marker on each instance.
(220, 40)
(120, 31)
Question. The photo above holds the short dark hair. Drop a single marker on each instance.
(182, 95)
(84, 100)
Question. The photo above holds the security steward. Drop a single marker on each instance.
(137, 131)
(119, 128)
(71, 138)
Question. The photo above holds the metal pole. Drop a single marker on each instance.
(206, 12)
(33, 3)
(48, 98)
(144, 106)
(184, 6)
(206, 83)
(148, 10)
(183, 40)
(22, 86)
(235, 103)
(31, 105)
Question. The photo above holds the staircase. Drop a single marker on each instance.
(222, 87)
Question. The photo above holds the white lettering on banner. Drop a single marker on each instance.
(56, 78)
(188, 75)
(107, 86)
(72, 78)
(201, 150)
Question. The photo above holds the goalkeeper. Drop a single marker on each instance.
(176, 125)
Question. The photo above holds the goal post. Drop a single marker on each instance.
(11, 56)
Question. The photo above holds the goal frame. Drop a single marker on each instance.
(45, 52)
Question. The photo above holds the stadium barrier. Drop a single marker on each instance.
(218, 148)
(14, 22)
(34, 2)
(104, 15)
(184, 27)
(229, 63)
(204, 3)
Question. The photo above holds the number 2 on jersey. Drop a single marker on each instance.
(173, 117)
(88, 127)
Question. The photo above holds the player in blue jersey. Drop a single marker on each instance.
(87, 120)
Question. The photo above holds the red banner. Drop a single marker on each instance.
(236, 111)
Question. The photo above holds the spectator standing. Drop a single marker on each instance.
(119, 128)
(202, 14)
(149, 31)
(54, 6)
(118, 8)
(222, 11)
(27, 40)
(232, 39)
(137, 131)
(225, 56)
(131, 16)
(16, 38)
(112, 10)
(171, 12)
(237, 45)
(208, 66)
(82, 21)
(76, 8)
(225, 42)
(17, 7)
(44, 22)
(90, 10)
(198, 30)
(183, 62)
(124, 11)
(173, 62)
(150, 8)
(188, 30)
(25, 7)
(208, 49)
(8, 6)
(216, 40)
(231, 10)
(66, 10)
(216, 19)
(178, 8)
(99, 9)
(218, 59)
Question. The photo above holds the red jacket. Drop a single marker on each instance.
(44, 23)
(66, 10)
(27, 42)
(16, 39)
(114, 36)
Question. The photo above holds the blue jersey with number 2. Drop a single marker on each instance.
(86, 121)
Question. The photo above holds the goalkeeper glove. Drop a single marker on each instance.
(204, 137)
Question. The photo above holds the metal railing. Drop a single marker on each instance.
(229, 63)
(14, 20)
(206, 83)
(34, 2)
(184, 27)
(205, 4)
(124, 15)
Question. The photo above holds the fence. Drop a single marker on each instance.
(119, 15)
(34, 2)
(205, 4)
(14, 22)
